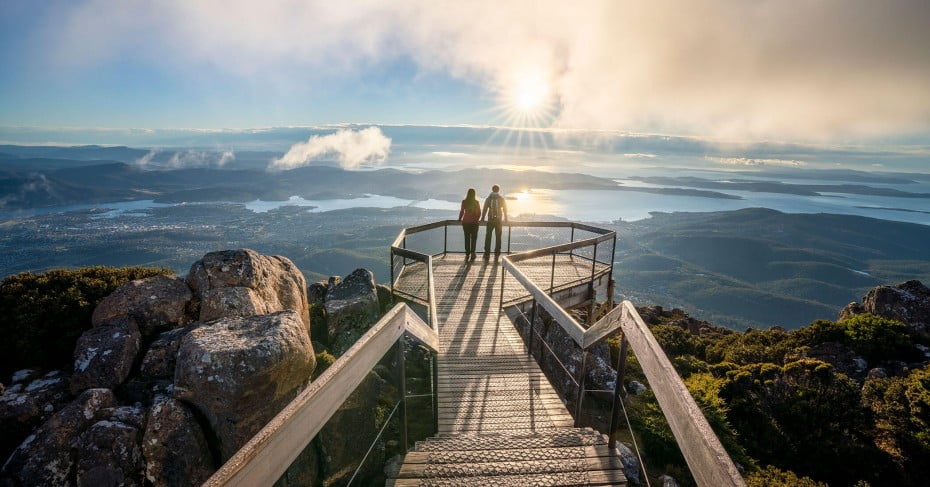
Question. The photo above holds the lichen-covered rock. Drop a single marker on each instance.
(668, 481)
(239, 372)
(270, 284)
(630, 463)
(351, 309)
(385, 297)
(174, 446)
(104, 356)
(316, 292)
(908, 302)
(27, 404)
(25, 376)
(44, 457)
(153, 304)
(162, 354)
(108, 454)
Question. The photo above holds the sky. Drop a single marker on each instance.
(853, 72)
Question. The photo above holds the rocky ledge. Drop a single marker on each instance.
(175, 375)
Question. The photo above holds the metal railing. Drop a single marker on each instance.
(708, 461)
(400, 254)
(272, 450)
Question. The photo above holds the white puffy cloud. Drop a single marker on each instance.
(734, 68)
(352, 148)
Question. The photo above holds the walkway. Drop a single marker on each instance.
(500, 421)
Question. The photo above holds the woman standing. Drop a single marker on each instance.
(469, 216)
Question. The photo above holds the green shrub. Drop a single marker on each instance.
(773, 477)
(878, 338)
(901, 406)
(44, 314)
(675, 340)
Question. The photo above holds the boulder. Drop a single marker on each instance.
(239, 372)
(351, 309)
(668, 481)
(174, 446)
(908, 302)
(630, 463)
(104, 356)
(152, 304)
(26, 405)
(44, 457)
(108, 454)
(162, 354)
(316, 292)
(385, 297)
(25, 376)
(635, 387)
(134, 416)
(268, 284)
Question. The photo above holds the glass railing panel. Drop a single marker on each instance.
(366, 434)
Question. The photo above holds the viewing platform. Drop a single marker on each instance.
(497, 419)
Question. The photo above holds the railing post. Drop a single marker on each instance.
(591, 291)
(529, 335)
(434, 388)
(392, 273)
(509, 230)
(445, 238)
(618, 388)
(503, 275)
(581, 378)
(402, 387)
(552, 276)
(572, 251)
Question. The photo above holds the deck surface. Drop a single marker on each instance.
(500, 421)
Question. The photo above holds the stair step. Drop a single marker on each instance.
(558, 438)
(511, 455)
(597, 477)
(519, 467)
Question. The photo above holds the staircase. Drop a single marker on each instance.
(570, 456)
(500, 421)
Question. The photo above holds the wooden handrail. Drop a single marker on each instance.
(708, 461)
(273, 449)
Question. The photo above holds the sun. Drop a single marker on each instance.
(528, 93)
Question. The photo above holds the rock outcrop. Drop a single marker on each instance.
(239, 372)
(44, 457)
(177, 374)
(104, 356)
(238, 283)
(174, 446)
(908, 302)
(31, 399)
(108, 453)
(351, 308)
(153, 304)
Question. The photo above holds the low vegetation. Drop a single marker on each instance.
(44, 314)
(800, 407)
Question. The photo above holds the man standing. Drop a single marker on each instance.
(495, 208)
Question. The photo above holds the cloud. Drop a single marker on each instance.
(186, 159)
(766, 68)
(352, 148)
(191, 158)
(749, 161)
(147, 158)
